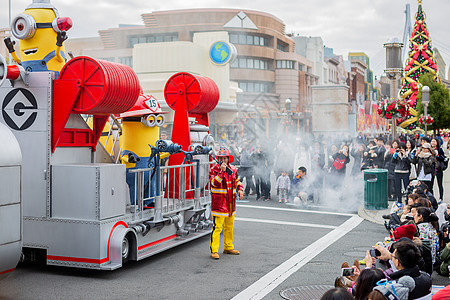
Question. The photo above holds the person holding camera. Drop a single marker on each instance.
(441, 166)
(389, 165)
(425, 161)
(369, 156)
(380, 151)
(405, 258)
(402, 166)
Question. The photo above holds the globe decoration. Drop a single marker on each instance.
(221, 53)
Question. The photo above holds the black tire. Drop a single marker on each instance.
(125, 249)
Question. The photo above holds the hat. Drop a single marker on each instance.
(426, 145)
(223, 151)
(405, 231)
(399, 290)
(145, 105)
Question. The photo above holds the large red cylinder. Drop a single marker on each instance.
(106, 87)
(202, 93)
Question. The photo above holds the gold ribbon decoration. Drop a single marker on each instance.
(409, 121)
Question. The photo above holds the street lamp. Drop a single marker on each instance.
(394, 69)
(425, 102)
(288, 102)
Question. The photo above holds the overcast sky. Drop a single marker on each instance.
(345, 25)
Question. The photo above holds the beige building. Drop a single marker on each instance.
(254, 86)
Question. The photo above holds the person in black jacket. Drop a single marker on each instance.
(380, 150)
(405, 258)
(402, 166)
(262, 173)
(440, 158)
(389, 165)
(339, 166)
(425, 160)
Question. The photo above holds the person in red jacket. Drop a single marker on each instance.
(224, 186)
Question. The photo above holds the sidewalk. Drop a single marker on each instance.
(375, 216)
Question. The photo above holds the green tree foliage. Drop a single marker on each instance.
(439, 106)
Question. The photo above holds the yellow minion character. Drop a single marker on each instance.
(41, 33)
(140, 127)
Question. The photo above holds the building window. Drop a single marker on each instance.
(256, 86)
(126, 60)
(250, 63)
(282, 46)
(154, 38)
(285, 64)
(246, 39)
(300, 67)
(111, 59)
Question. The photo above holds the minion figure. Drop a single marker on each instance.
(41, 33)
(140, 127)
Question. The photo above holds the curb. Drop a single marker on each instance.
(373, 216)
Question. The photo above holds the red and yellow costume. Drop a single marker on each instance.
(223, 204)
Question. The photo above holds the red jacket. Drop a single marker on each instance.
(223, 191)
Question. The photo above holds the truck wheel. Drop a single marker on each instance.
(125, 249)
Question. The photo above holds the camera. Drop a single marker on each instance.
(347, 272)
(375, 252)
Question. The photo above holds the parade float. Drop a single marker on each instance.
(72, 205)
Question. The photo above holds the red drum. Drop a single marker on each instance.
(106, 87)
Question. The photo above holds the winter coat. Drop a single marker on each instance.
(223, 191)
(427, 163)
(440, 157)
(388, 165)
(283, 182)
(421, 279)
(430, 238)
(445, 258)
(402, 163)
(426, 260)
(339, 163)
(379, 159)
(260, 163)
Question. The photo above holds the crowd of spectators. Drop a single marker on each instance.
(417, 242)
(302, 167)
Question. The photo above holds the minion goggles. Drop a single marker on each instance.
(24, 26)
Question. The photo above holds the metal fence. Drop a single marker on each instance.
(181, 187)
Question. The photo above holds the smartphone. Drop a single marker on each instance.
(375, 252)
(347, 272)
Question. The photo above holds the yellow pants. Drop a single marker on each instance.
(227, 224)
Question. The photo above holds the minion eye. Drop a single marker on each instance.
(23, 27)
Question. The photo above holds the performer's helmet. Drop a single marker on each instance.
(223, 151)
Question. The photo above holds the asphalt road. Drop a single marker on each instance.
(281, 247)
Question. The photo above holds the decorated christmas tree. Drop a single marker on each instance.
(420, 61)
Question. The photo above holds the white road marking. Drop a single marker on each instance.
(271, 280)
(298, 210)
(285, 223)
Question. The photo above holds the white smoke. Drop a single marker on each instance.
(290, 151)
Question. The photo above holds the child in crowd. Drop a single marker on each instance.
(406, 214)
(283, 186)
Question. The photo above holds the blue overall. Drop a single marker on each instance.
(41, 65)
(142, 164)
